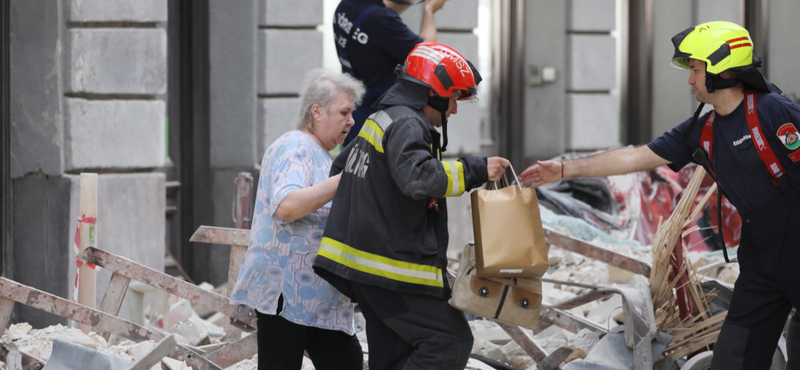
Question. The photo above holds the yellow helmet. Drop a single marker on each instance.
(722, 45)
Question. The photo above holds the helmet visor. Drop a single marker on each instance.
(465, 96)
(680, 59)
(680, 63)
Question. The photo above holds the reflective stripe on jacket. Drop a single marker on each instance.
(380, 230)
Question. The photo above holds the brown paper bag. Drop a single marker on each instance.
(509, 239)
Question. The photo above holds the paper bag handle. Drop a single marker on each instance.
(506, 178)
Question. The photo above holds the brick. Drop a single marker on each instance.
(592, 62)
(457, 15)
(592, 121)
(591, 15)
(284, 57)
(118, 10)
(282, 13)
(115, 134)
(276, 116)
(118, 61)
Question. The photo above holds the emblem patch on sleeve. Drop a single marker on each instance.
(789, 136)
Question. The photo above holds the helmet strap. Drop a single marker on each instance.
(715, 82)
(441, 105)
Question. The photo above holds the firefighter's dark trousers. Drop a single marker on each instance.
(767, 288)
(411, 331)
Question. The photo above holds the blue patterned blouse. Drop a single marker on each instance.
(279, 258)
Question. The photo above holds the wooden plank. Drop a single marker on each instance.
(237, 351)
(552, 361)
(193, 359)
(221, 235)
(567, 321)
(70, 310)
(21, 359)
(237, 256)
(596, 252)
(115, 294)
(163, 348)
(241, 315)
(13, 356)
(525, 341)
(6, 305)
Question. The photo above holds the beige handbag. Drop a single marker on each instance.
(509, 238)
(515, 301)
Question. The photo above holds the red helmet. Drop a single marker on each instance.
(442, 69)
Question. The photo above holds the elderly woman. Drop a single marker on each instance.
(297, 310)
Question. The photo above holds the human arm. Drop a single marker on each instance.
(301, 202)
(614, 162)
(428, 29)
(419, 174)
(496, 167)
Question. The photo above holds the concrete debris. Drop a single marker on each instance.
(522, 362)
(139, 350)
(552, 338)
(489, 350)
(611, 352)
(173, 364)
(18, 331)
(197, 336)
(178, 312)
(39, 342)
(584, 340)
(474, 364)
(641, 283)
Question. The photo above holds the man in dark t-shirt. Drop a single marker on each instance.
(750, 145)
(371, 40)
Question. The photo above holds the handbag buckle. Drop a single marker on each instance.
(484, 291)
(525, 303)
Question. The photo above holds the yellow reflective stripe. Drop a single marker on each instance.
(373, 134)
(374, 264)
(455, 178)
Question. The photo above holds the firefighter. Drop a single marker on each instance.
(385, 242)
(749, 144)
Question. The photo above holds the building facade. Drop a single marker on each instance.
(168, 100)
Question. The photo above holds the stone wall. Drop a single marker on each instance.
(88, 96)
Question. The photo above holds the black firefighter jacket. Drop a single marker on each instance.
(380, 230)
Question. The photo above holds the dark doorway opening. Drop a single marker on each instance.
(188, 169)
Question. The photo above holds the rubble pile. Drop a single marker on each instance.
(39, 342)
(203, 329)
